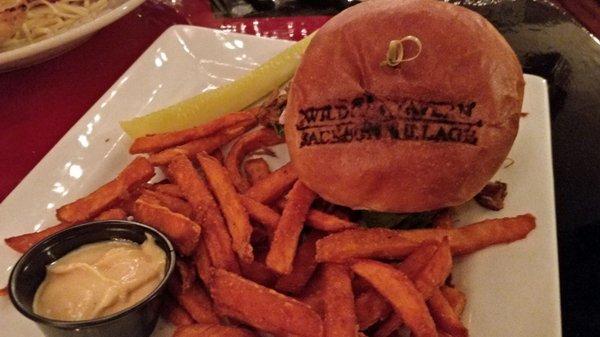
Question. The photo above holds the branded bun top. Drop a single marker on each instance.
(423, 134)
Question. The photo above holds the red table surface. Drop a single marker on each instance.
(38, 105)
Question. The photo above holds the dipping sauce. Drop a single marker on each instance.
(100, 279)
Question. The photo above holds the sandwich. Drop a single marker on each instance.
(403, 106)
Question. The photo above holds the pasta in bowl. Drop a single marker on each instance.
(32, 31)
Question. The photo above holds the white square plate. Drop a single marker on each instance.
(512, 290)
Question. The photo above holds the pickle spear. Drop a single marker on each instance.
(230, 97)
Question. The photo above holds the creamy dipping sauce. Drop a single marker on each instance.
(100, 279)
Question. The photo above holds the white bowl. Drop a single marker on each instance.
(48, 48)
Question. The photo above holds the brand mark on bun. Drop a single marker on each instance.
(372, 118)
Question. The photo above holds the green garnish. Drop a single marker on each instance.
(396, 220)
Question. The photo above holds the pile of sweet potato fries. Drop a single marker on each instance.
(256, 256)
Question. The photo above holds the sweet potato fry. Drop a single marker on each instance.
(195, 301)
(127, 205)
(174, 313)
(235, 214)
(455, 297)
(312, 294)
(176, 205)
(184, 232)
(435, 272)
(261, 307)
(137, 172)
(23, 242)
(261, 213)
(169, 189)
(364, 243)
(207, 144)
(328, 222)
(186, 273)
(323, 221)
(444, 316)
(285, 335)
(258, 272)
(129, 198)
(401, 293)
(391, 324)
(303, 267)
(211, 330)
(428, 270)
(218, 155)
(370, 308)
(285, 240)
(273, 186)
(158, 142)
(204, 269)
(395, 244)
(360, 285)
(339, 319)
(206, 211)
(474, 237)
(246, 144)
(147, 199)
(411, 266)
(256, 169)
(112, 214)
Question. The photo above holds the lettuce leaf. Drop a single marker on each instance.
(373, 219)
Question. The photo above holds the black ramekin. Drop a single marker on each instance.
(29, 272)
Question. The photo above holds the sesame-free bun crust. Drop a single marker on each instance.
(424, 135)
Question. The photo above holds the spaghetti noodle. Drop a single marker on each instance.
(44, 18)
